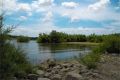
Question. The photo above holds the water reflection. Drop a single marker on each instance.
(37, 53)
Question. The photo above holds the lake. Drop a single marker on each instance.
(38, 52)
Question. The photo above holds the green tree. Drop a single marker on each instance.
(55, 37)
(43, 38)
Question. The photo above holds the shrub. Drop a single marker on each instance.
(92, 58)
(112, 44)
(12, 60)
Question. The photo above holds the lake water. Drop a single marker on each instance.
(38, 53)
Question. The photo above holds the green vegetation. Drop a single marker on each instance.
(12, 60)
(91, 59)
(95, 38)
(60, 37)
(23, 39)
(53, 37)
(111, 44)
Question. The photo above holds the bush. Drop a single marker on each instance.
(92, 58)
(112, 44)
(23, 39)
(12, 60)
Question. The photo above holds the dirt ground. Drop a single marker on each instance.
(109, 67)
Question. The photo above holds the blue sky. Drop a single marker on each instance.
(70, 16)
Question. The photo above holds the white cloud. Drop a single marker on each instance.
(24, 7)
(98, 11)
(101, 4)
(38, 6)
(48, 17)
(10, 5)
(70, 4)
(84, 13)
(45, 2)
(23, 18)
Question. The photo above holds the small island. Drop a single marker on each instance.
(23, 39)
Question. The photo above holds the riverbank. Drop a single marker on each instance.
(83, 43)
(107, 69)
(80, 43)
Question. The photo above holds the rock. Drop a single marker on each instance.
(13, 78)
(48, 70)
(66, 65)
(73, 76)
(51, 63)
(32, 76)
(47, 75)
(65, 69)
(43, 79)
(43, 67)
(83, 70)
(58, 67)
(40, 73)
(56, 77)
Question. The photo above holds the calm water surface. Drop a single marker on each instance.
(38, 53)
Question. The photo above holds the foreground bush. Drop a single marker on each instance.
(90, 60)
(23, 39)
(12, 60)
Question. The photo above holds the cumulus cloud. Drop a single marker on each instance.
(10, 5)
(70, 4)
(98, 5)
(38, 6)
(97, 11)
(45, 2)
(48, 17)
(24, 7)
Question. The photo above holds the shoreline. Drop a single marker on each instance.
(107, 69)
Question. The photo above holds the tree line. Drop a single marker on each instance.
(58, 37)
